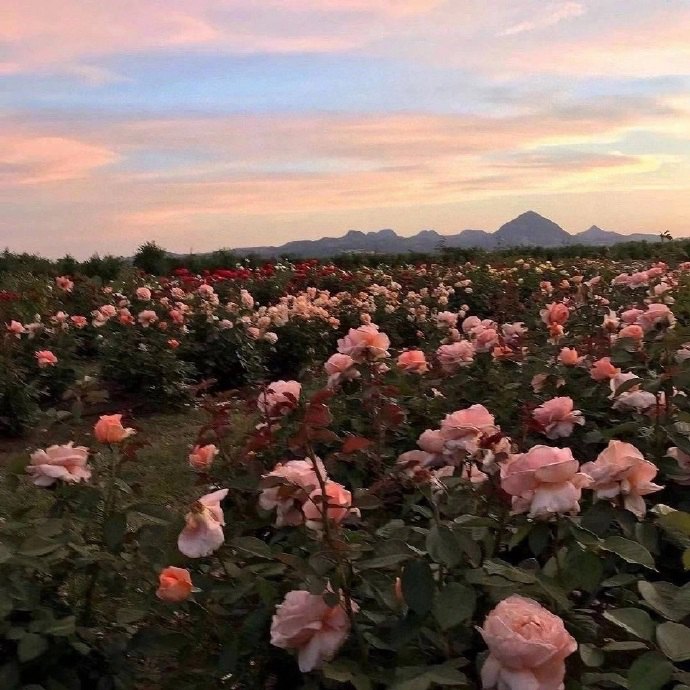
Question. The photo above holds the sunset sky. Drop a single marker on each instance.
(222, 123)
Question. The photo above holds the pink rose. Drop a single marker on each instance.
(174, 584)
(109, 429)
(143, 293)
(365, 342)
(432, 441)
(66, 463)
(657, 315)
(279, 398)
(287, 487)
(633, 331)
(201, 457)
(335, 506)
(413, 361)
(304, 622)
(544, 481)
(339, 368)
(78, 321)
(555, 313)
(465, 428)
(621, 470)
(527, 647)
(147, 317)
(45, 358)
(557, 418)
(203, 530)
(485, 339)
(15, 328)
(603, 370)
(455, 355)
(64, 283)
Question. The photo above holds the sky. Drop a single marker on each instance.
(202, 124)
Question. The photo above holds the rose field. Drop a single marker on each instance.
(287, 475)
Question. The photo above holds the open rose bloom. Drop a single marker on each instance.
(305, 623)
(66, 463)
(201, 458)
(174, 584)
(527, 645)
(543, 482)
(365, 342)
(203, 530)
(464, 429)
(109, 429)
(413, 361)
(620, 470)
(557, 418)
(279, 398)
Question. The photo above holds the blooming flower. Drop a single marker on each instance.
(45, 358)
(279, 398)
(365, 342)
(203, 530)
(413, 361)
(557, 418)
(66, 463)
(109, 429)
(201, 457)
(174, 584)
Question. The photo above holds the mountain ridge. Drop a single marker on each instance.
(529, 229)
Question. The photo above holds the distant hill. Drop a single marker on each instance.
(527, 230)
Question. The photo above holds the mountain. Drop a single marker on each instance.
(527, 230)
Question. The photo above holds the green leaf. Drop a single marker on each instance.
(649, 672)
(674, 640)
(114, 531)
(635, 621)
(38, 546)
(129, 616)
(660, 596)
(442, 546)
(418, 586)
(629, 551)
(252, 545)
(591, 656)
(31, 646)
(454, 604)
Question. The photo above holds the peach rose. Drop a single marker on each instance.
(365, 342)
(455, 355)
(66, 463)
(555, 314)
(279, 398)
(287, 487)
(109, 429)
(203, 530)
(544, 481)
(174, 584)
(336, 506)
(657, 315)
(527, 647)
(633, 331)
(603, 370)
(569, 357)
(621, 470)
(557, 418)
(305, 623)
(45, 358)
(201, 457)
(15, 328)
(413, 361)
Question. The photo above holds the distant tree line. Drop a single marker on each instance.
(153, 259)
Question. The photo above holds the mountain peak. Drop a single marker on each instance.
(530, 228)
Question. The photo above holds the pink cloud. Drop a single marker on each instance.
(549, 15)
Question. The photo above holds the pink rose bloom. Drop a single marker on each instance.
(455, 355)
(64, 283)
(365, 342)
(66, 463)
(339, 368)
(557, 418)
(544, 481)
(603, 370)
(485, 339)
(78, 321)
(109, 429)
(287, 487)
(513, 331)
(555, 313)
(176, 316)
(639, 279)
(203, 530)
(470, 324)
(205, 290)
(633, 331)
(413, 361)
(45, 358)
(147, 317)
(305, 623)
(143, 293)
(336, 505)
(447, 319)
(174, 584)
(634, 399)
(630, 316)
(621, 470)
(569, 357)
(464, 428)
(527, 647)
(432, 441)
(279, 398)
(201, 457)
(15, 328)
(655, 316)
